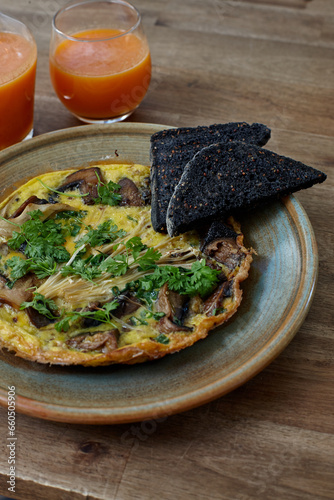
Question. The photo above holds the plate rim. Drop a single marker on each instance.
(177, 404)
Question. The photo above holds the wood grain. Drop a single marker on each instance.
(269, 61)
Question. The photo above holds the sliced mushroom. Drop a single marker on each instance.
(90, 322)
(32, 199)
(220, 244)
(47, 209)
(21, 291)
(130, 193)
(214, 303)
(175, 307)
(38, 319)
(97, 341)
(127, 305)
(85, 179)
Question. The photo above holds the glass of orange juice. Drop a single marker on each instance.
(100, 63)
(18, 57)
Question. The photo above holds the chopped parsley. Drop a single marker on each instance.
(87, 269)
(44, 306)
(107, 193)
(42, 267)
(107, 232)
(102, 314)
(162, 339)
(134, 247)
(42, 243)
(40, 238)
(135, 253)
(73, 218)
(48, 308)
(218, 310)
(200, 279)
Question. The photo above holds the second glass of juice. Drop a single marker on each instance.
(18, 58)
(100, 63)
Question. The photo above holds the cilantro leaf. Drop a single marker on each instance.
(16, 240)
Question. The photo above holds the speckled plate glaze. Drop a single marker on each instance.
(277, 297)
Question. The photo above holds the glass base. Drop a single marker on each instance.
(114, 119)
(11, 143)
(29, 135)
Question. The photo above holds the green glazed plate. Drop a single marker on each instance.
(277, 296)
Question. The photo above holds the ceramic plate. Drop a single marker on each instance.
(277, 296)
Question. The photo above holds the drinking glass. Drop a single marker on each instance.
(18, 58)
(100, 63)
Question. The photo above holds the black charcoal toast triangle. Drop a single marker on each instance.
(172, 149)
(225, 178)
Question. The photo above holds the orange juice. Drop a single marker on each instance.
(18, 58)
(105, 76)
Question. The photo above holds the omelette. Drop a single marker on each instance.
(85, 279)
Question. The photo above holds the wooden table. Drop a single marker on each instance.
(269, 61)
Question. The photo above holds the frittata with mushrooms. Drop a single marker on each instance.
(86, 280)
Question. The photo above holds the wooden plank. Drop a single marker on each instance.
(249, 60)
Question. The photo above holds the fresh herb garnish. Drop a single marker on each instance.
(44, 306)
(41, 239)
(162, 339)
(41, 267)
(74, 220)
(42, 243)
(116, 266)
(48, 308)
(135, 321)
(218, 310)
(102, 314)
(18, 266)
(107, 193)
(135, 254)
(87, 269)
(61, 192)
(200, 279)
(107, 232)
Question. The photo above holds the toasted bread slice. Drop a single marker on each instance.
(225, 178)
(172, 149)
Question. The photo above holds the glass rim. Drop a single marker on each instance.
(84, 2)
(20, 23)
